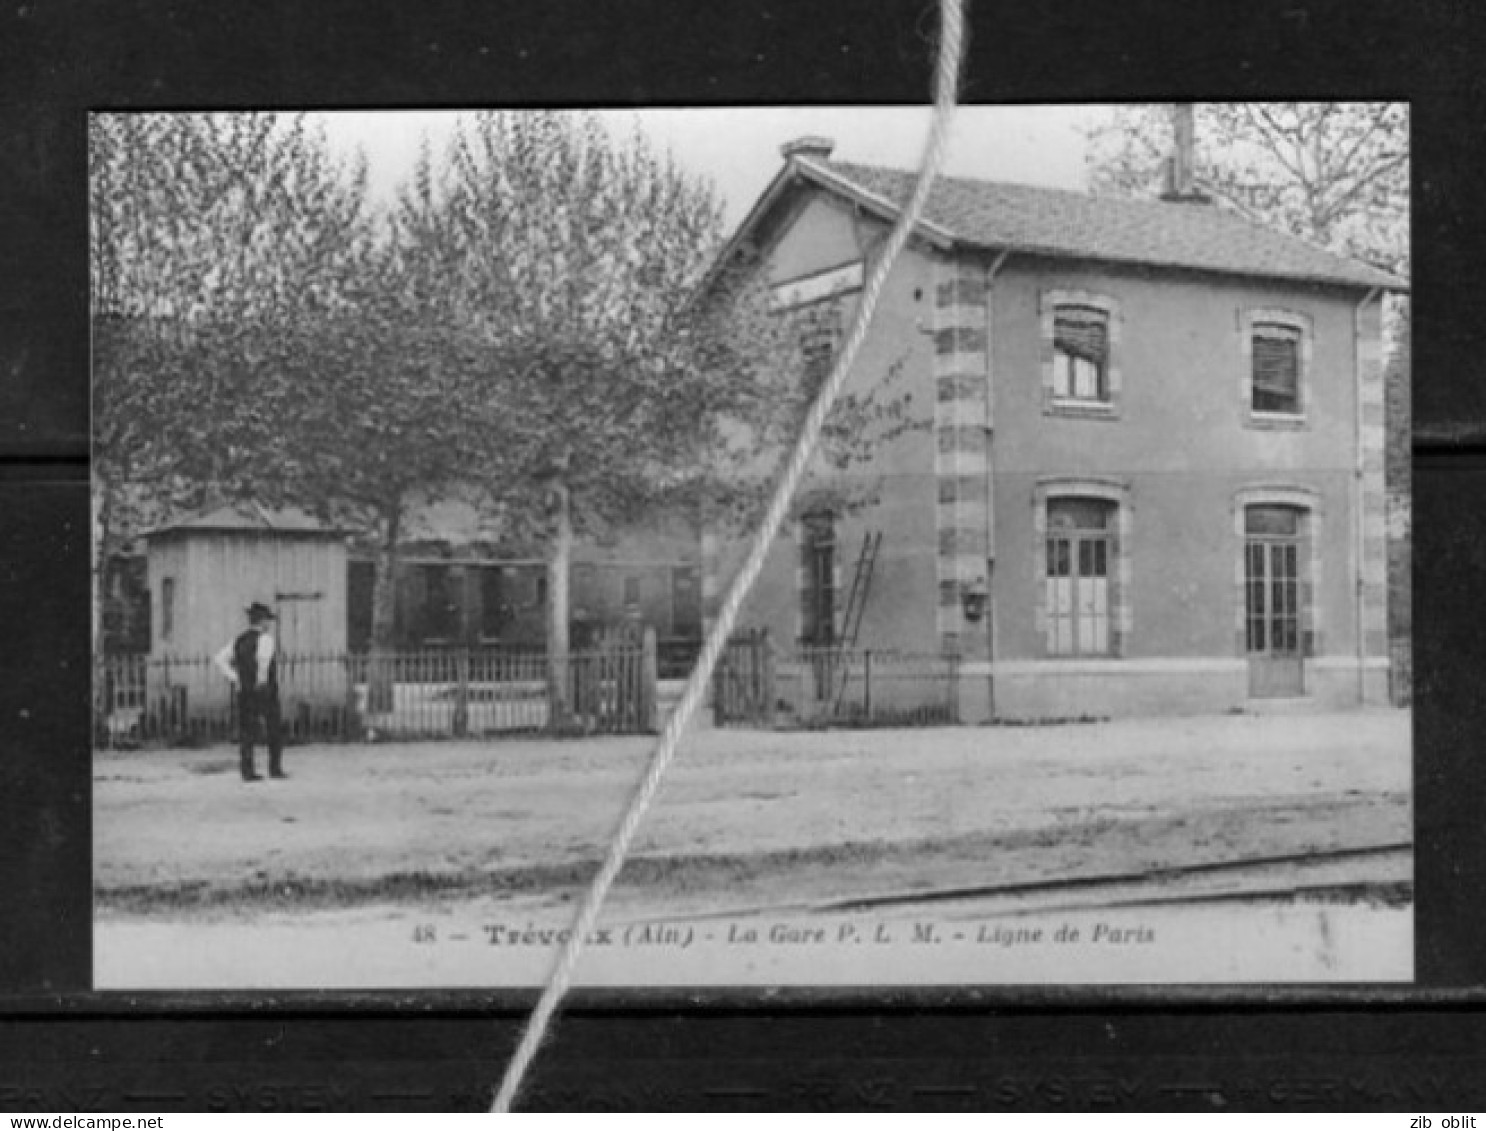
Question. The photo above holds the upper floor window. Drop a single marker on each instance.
(813, 305)
(1276, 351)
(820, 334)
(1277, 348)
(1081, 354)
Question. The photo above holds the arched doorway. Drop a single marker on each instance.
(1274, 589)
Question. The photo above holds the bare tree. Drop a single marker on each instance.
(1333, 173)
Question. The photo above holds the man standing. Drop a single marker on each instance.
(249, 664)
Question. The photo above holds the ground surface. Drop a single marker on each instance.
(745, 817)
(847, 854)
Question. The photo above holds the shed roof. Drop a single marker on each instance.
(250, 517)
(998, 216)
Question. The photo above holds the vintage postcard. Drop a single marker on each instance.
(426, 446)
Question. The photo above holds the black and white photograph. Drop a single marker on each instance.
(427, 447)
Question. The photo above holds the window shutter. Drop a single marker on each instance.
(1081, 333)
(820, 331)
(1276, 362)
(1076, 513)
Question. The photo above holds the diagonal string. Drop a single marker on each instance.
(951, 41)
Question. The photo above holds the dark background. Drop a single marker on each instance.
(64, 1048)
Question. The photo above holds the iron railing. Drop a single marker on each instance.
(443, 693)
(869, 687)
(759, 686)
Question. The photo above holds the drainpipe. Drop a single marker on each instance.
(1359, 538)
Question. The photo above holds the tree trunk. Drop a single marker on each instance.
(380, 679)
(558, 701)
(101, 549)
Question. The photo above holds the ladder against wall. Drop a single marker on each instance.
(861, 585)
(851, 619)
(744, 683)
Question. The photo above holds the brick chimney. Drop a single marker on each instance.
(1181, 181)
(820, 147)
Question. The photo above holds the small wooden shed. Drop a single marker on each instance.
(205, 570)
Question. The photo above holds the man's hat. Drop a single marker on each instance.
(258, 611)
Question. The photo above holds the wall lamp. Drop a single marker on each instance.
(973, 597)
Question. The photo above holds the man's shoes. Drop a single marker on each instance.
(278, 774)
(252, 777)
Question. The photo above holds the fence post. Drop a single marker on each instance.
(348, 721)
(101, 696)
(572, 707)
(745, 678)
(649, 677)
(867, 684)
(608, 686)
(954, 688)
(462, 692)
(167, 702)
(768, 690)
(719, 687)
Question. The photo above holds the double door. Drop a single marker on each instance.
(1272, 594)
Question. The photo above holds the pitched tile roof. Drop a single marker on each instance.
(1060, 222)
(250, 516)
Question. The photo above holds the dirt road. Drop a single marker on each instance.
(745, 817)
(772, 859)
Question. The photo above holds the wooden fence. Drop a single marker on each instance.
(437, 693)
(743, 690)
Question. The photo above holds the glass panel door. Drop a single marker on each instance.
(1272, 610)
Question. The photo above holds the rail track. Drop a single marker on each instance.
(1382, 871)
(1379, 874)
